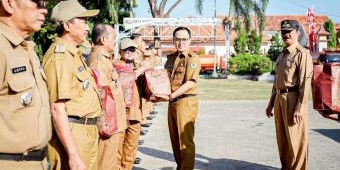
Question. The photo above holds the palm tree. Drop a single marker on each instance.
(243, 8)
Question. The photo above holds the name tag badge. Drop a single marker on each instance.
(19, 69)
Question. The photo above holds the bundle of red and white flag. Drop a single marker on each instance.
(312, 30)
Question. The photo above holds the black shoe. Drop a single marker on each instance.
(138, 160)
(153, 112)
(150, 117)
(143, 132)
(146, 124)
(140, 142)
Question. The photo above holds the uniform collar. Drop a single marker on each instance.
(69, 47)
(292, 47)
(102, 52)
(10, 35)
(186, 53)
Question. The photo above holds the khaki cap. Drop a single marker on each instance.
(66, 10)
(126, 43)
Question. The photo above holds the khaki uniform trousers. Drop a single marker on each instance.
(292, 139)
(86, 139)
(181, 121)
(108, 152)
(127, 153)
(24, 165)
(146, 109)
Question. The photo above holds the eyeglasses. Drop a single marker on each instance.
(181, 39)
(40, 3)
(131, 49)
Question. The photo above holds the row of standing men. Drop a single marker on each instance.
(64, 87)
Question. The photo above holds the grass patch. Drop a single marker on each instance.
(223, 89)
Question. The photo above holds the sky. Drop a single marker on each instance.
(186, 8)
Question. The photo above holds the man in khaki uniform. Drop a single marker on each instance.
(289, 99)
(183, 67)
(73, 93)
(127, 154)
(100, 59)
(25, 120)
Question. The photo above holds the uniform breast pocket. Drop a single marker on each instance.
(290, 65)
(22, 91)
(179, 73)
(83, 82)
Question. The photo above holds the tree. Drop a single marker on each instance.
(157, 10)
(275, 48)
(241, 42)
(254, 43)
(242, 10)
(111, 12)
(329, 26)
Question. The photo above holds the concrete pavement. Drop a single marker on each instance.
(236, 135)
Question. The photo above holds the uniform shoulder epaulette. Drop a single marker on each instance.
(301, 49)
(192, 54)
(59, 48)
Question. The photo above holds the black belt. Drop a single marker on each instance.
(83, 120)
(287, 90)
(183, 96)
(36, 155)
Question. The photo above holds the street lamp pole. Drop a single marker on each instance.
(214, 74)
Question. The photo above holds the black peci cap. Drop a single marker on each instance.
(289, 25)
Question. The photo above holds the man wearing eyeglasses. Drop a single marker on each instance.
(25, 123)
(73, 93)
(183, 67)
(128, 54)
(289, 99)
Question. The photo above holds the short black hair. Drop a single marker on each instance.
(99, 30)
(180, 29)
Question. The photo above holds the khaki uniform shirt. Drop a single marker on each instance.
(25, 119)
(295, 68)
(108, 76)
(69, 78)
(134, 112)
(183, 67)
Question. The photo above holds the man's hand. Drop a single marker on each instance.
(298, 116)
(76, 163)
(269, 112)
(159, 98)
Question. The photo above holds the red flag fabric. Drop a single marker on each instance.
(312, 30)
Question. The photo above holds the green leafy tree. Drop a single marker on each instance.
(252, 64)
(242, 9)
(329, 26)
(241, 42)
(111, 12)
(254, 43)
(275, 48)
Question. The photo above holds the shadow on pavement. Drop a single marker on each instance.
(206, 163)
(330, 133)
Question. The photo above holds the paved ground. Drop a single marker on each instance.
(236, 135)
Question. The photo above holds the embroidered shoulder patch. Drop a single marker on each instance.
(193, 65)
